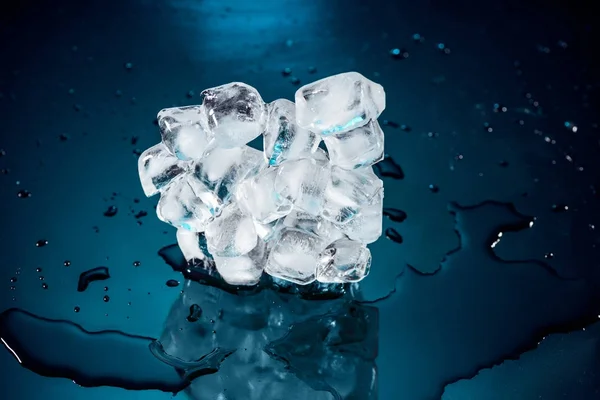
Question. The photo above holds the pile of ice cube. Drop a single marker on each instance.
(294, 211)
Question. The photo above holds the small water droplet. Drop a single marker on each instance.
(394, 214)
(487, 127)
(294, 80)
(13, 279)
(549, 256)
(387, 122)
(63, 137)
(286, 72)
(399, 54)
(44, 286)
(137, 263)
(417, 38)
(13, 288)
(67, 263)
(195, 313)
(111, 211)
(388, 168)
(393, 235)
(38, 269)
(41, 243)
(311, 69)
(106, 299)
(106, 288)
(24, 194)
(189, 94)
(76, 309)
(41, 278)
(558, 208)
(172, 283)
(434, 188)
(128, 66)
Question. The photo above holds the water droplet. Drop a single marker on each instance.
(189, 94)
(549, 256)
(41, 243)
(503, 163)
(141, 214)
(13, 288)
(500, 108)
(44, 286)
(558, 208)
(106, 288)
(106, 299)
(387, 122)
(89, 276)
(399, 54)
(96, 229)
(137, 263)
(76, 309)
(294, 80)
(434, 188)
(63, 137)
(41, 278)
(311, 69)
(393, 235)
(111, 211)
(67, 263)
(13, 279)
(195, 313)
(172, 283)
(286, 72)
(394, 214)
(24, 194)
(128, 66)
(487, 127)
(38, 269)
(388, 168)
(417, 38)
(571, 126)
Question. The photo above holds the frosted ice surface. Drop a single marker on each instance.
(344, 261)
(181, 207)
(283, 139)
(356, 148)
(347, 192)
(366, 227)
(257, 197)
(157, 168)
(235, 114)
(338, 103)
(303, 182)
(306, 213)
(184, 131)
(294, 256)
(245, 269)
(222, 169)
(232, 234)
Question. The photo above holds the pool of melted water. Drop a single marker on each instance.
(484, 286)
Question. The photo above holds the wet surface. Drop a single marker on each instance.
(491, 186)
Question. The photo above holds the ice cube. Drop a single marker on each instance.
(245, 269)
(356, 148)
(303, 182)
(294, 256)
(235, 114)
(189, 243)
(347, 192)
(222, 169)
(184, 131)
(232, 234)
(268, 231)
(283, 139)
(314, 224)
(366, 226)
(181, 206)
(344, 261)
(157, 168)
(338, 103)
(257, 197)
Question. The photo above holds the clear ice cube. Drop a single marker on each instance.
(184, 131)
(235, 114)
(294, 256)
(314, 224)
(366, 227)
(245, 269)
(181, 206)
(283, 140)
(222, 169)
(157, 167)
(347, 192)
(356, 148)
(344, 261)
(268, 231)
(338, 103)
(232, 234)
(256, 196)
(189, 243)
(303, 182)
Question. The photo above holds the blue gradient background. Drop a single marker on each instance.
(459, 310)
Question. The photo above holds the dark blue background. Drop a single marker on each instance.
(461, 309)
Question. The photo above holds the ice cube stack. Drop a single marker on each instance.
(294, 211)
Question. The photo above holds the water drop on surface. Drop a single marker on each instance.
(434, 188)
(89, 276)
(137, 263)
(44, 286)
(294, 80)
(38, 269)
(111, 211)
(13, 279)
(558, 208)
(286, 72)
(172, 283)
(41, 278)
(399, 54)
(549, 256)
(24, 194)
(106, 299)
(67, 263)
(128, 66)
(195, 313)
(76, 309)
(394, 214)
(41, 243)
(393, 235)
(311, 69)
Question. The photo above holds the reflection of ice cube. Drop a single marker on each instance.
(303, 182)
(235, 114)
(182, 207)
(356, 148)
(222, 169)
(183, 131)
(245, 269)
(294, 256)
(366, 227)
(338, 103)
(283, 139)
(347, 192)
(344, 261)
(157, 168)
(232, 234)
(257, 197)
